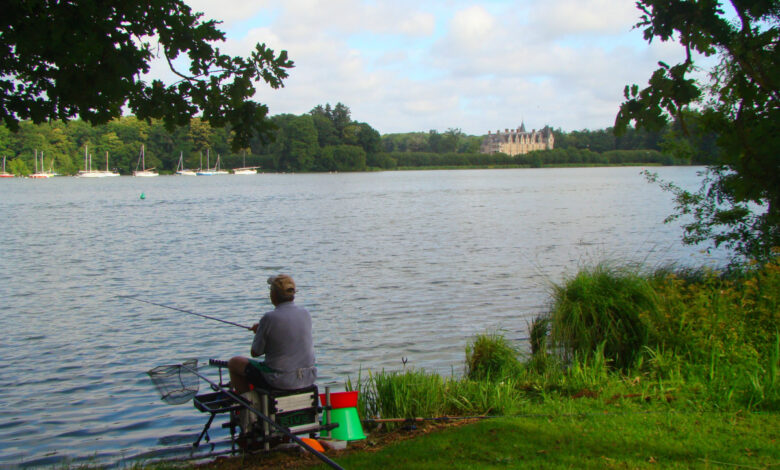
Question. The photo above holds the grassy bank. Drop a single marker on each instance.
(701, 340)
(628, 369)
(643, 439)
(669, 369)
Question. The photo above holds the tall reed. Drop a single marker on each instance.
(603, 305)
(490, 357)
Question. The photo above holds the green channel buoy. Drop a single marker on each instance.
(143, 196)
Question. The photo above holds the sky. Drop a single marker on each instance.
(477, 66)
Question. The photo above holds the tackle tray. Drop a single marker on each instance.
(216, 402)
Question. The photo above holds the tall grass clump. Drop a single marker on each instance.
(539, 331)
(603, 306)
(724, 328)
(409, 393)
(491, 357)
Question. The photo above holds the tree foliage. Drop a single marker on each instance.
(85, 58)
(738, 204)
(309, 142)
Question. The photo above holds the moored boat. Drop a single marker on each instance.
(207, 171)
(218, 170)
(4, 174)
(42, 174)
(88, 172)
(180, 170)
(145, 172)
(245, 170)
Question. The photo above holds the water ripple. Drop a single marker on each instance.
(392, 265)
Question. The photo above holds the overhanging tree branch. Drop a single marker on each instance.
(90, 42)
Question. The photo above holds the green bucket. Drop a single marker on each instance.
(349, 428)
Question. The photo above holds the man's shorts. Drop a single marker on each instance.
(255, 377)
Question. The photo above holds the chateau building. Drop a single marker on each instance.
(518, 141)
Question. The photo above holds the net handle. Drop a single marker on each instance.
(243, 402)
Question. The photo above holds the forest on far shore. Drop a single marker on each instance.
(324, 139)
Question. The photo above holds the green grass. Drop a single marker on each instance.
(639, 370)
(671, 369)
(655, 439)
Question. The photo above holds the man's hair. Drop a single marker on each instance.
(282, 286)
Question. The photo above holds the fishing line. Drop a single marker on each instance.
(184, 311)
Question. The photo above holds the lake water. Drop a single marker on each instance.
(391, 265)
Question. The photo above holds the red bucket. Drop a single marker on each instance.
(341, 399)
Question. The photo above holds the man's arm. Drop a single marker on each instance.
(258, 345)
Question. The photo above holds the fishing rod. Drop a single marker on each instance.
(184, 311)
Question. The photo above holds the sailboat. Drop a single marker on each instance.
(142, 162)
(4, 174)
(180, 170)
(88, 172)
(109, 172)
(245, 170)
(217, 170)
(208, 171)
(40, 174)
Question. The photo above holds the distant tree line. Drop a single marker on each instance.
(324, 139)
(536, 159)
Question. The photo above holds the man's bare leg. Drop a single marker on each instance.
(237, 367)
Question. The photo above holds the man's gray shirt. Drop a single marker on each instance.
(285, 337)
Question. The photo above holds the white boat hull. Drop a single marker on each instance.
(96, 174)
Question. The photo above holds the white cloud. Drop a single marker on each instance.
(598, 17)
(413, 66)
(229, 11)
(419, 24)
(472, 28)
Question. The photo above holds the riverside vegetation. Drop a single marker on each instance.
(324, 139)
(667, 369)
(696, 339)
(628, 369)
(684, 363)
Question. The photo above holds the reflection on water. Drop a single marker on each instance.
(391, 265)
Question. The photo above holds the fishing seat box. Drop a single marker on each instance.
(296, 410)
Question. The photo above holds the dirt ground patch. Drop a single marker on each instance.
(297, 458)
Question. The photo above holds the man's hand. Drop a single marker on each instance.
(255, 327)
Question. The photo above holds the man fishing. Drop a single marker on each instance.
(284, 336)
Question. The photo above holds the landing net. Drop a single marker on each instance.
(176, 383)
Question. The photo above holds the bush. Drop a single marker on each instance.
(491, 357)
(603, 305)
